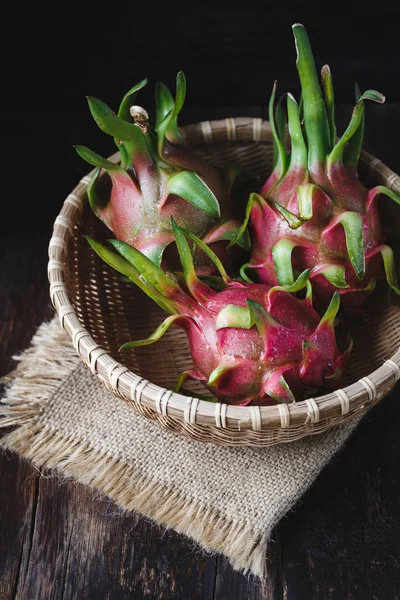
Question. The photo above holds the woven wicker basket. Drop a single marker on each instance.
(100, 312)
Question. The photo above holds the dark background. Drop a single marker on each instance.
(342, 540)
(53, 58)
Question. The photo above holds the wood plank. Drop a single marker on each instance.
(24, 303)
(24, 295)
(342, 540)
(18, 495)
(231, 584)
(86, 547)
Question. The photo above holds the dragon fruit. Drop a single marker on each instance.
(158, 177)
(250, 343)
(313, 212)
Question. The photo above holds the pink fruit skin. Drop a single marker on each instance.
(141, 216)
(139, 213)
(253, 363)
(321, 240)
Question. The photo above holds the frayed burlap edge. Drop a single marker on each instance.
(35, 381)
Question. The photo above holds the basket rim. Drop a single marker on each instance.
(335, 407)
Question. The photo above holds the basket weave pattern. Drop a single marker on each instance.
(100, 312)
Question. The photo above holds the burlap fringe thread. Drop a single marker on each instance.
(36, 380)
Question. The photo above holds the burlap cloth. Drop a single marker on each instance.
(227, 499)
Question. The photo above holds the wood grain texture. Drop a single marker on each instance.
(230, 584)
(18, 499)
(24, 297)
(343, 540)
(85, 547)
(59, 540)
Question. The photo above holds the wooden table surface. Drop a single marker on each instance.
(59, 540)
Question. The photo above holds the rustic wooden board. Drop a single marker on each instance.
(59, 540)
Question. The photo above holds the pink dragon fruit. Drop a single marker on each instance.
(158, 177)
(250, 343)
(313, 212)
